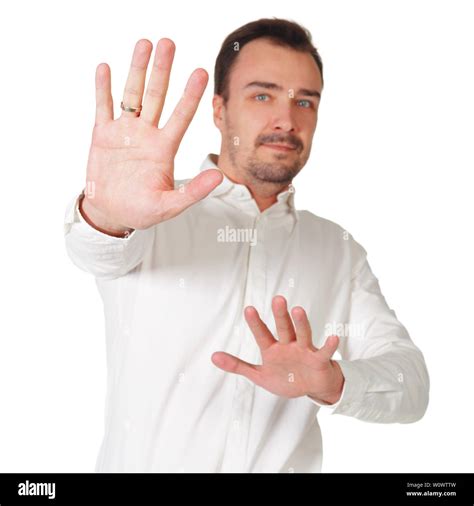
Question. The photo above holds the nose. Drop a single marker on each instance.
(284, 118)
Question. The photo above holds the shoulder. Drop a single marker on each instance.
(334, 236)
(317, 224)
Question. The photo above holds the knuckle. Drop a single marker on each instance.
(161, 66)
(155, 93)
(183, 113)
(132, 91)
(138, 66)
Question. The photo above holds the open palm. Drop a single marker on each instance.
(291, 366)
(131, 160)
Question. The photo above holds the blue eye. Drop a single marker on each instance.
(261, 95)
(307, 101)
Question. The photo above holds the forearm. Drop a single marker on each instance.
(390, 388)
(98, 253)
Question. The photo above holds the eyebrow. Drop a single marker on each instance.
(272, 86)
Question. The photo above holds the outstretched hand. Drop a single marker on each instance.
(291, 366)
(131, 160)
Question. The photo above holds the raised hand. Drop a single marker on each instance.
(292, 366)
(131, 161)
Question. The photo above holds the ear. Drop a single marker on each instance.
(218, 106)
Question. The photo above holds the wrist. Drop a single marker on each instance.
(335, 394)
(96, 220)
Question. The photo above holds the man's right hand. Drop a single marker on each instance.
(130, 170)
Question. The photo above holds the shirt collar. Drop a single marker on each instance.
(229, 189)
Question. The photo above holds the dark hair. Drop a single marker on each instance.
(279, 31)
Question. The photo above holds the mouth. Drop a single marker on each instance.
(279, 147)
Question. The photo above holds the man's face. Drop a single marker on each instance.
(271, 101)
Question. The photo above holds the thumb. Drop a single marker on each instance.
(192, 192)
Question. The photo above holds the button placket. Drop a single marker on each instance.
(236, 448)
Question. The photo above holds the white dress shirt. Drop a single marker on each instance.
(175, 293)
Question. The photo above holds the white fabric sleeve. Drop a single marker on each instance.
(99, 254)
(386, 379)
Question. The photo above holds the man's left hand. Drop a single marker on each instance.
(291, 366)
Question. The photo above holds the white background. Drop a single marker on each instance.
(392, 162)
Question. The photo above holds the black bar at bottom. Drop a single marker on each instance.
(236, 489)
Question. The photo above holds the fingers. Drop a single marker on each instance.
(133, 92)
(103, 96)
(184, 112)
(229, 363)
(303, 327)
(158, 83)
(175, 201)
(330, 347)
(284, 325)
(262, 335)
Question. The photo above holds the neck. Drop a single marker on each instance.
(264, 194)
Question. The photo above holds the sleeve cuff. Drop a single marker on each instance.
(355, 385)
(73, 215)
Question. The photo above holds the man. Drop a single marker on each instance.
(207, 369)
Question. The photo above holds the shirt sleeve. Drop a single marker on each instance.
(332, 407)
(386, 379)
(99, 254)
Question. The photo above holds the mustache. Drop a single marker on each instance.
(291, 140)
